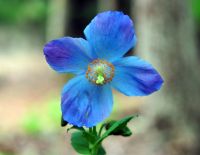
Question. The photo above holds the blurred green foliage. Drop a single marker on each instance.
(2, 153)
(43, 118)
(196, 8)
(54, 112)
(32, 124)
(20, 11)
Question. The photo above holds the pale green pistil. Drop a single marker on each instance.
(100, 79)
(99, 72)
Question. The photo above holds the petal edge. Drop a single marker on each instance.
(111, 34)
(68, 54)
(136, 77)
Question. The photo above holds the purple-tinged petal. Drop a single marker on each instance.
(111, 34)
(85, 104)
(135, 77)
(68, 54)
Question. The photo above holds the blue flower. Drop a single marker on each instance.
(99, 65)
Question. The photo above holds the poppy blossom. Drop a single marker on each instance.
(99, 66)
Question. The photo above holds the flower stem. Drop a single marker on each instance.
(101, 129)
(94, 149)
(95, 131)
(90, 130)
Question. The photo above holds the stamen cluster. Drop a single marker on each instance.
(100, 72)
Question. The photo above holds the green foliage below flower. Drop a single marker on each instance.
(122, 130)
(90, 142)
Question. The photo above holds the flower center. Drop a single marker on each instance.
(100, 72)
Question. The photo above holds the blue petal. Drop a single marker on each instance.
(68, 54)
(135, 77)
(111, 34)
(85, 104)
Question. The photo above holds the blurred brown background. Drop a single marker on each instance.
(168, 34)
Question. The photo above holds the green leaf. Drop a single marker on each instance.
(90, 137)
(126, 132)
(122, 130)
(101, 151)
(117, 125)
(80, 143)
(75, 127)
